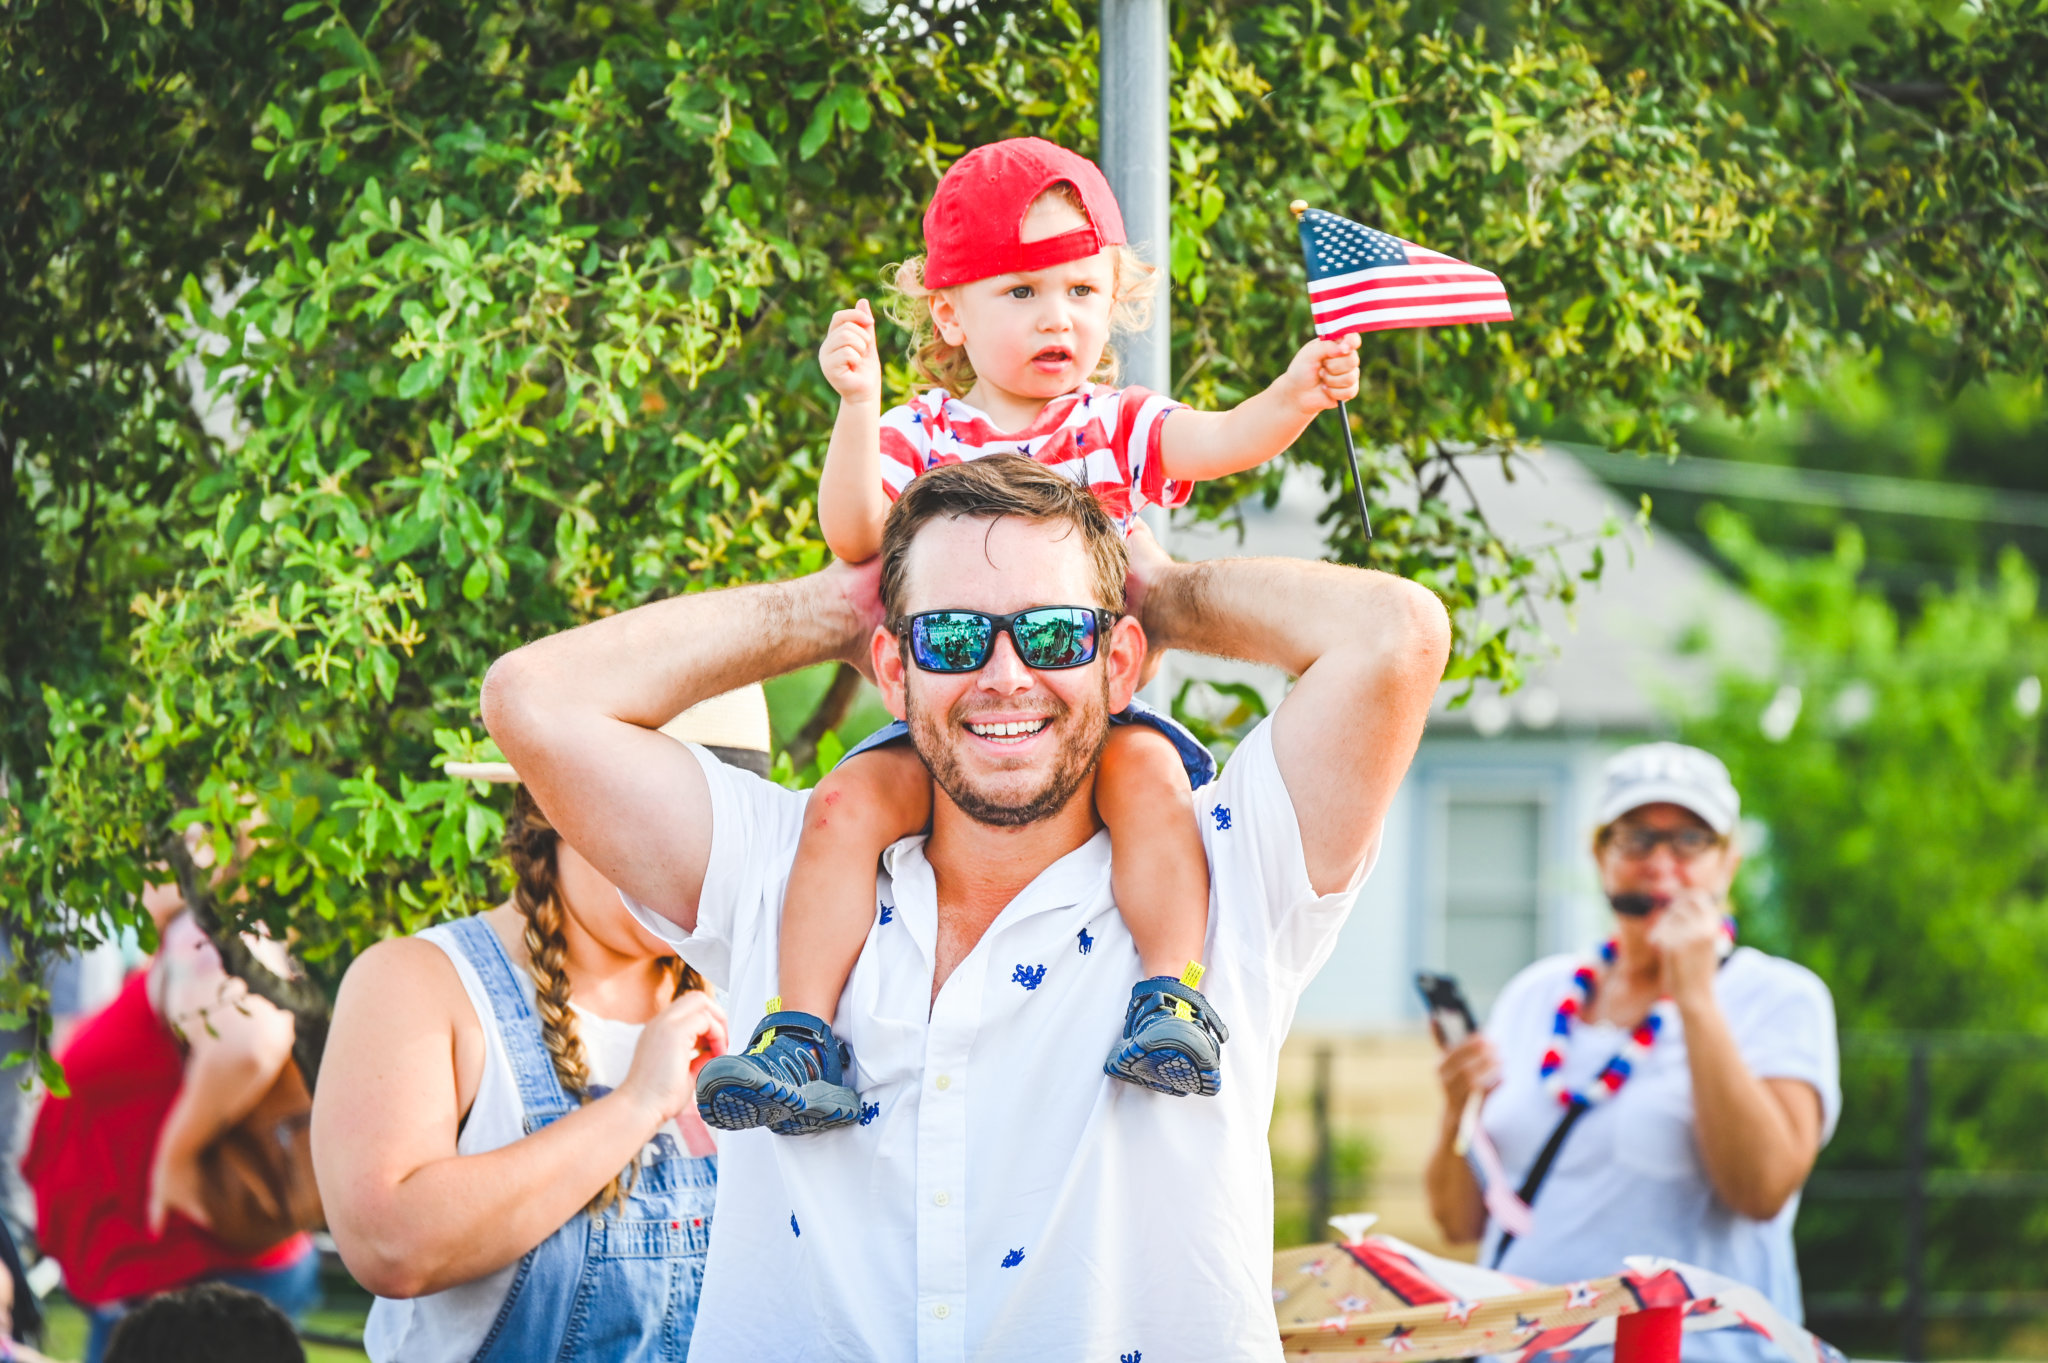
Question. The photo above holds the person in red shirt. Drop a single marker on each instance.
(179, 1056)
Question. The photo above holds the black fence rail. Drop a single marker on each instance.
(1895, 1075)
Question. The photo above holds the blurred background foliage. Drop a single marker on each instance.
(348, 344)
(1893, 758)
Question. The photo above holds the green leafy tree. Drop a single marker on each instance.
(351, 343)
(1896, 762)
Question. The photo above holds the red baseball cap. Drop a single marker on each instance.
(971, 229)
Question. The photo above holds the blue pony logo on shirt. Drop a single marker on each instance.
(888, 915)
(1030, 976)
(1134, 1356)
(1086, 943)
(1013, 1258)
(794, 1229)
(868, 1112)
(1221, 813)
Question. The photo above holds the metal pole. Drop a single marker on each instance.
(1322, 1179)
(1135, 151)
(1913, 1311)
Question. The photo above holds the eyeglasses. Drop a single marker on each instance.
(1047, 637)
(1685, 843)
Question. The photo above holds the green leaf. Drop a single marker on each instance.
(384, 667)
(421, 375)
(752, 148)
(477, 580)
(817, 130)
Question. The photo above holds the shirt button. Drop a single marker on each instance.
(941, 1199)
(944, 1081)
(941, 1311)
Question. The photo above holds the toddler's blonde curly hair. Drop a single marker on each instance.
(936, 362)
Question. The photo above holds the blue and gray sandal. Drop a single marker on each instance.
(1172, 1041)
(791, 1079)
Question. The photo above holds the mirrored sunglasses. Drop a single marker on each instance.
(1046, 638)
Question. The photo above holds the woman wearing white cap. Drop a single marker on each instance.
(505, 1131)
(1666, 1095)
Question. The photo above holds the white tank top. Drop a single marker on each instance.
(449, 1326)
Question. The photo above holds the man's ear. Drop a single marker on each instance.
(946, 317)
(1125, 659)
(887, 657)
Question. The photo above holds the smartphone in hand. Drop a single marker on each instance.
(1447, 1007)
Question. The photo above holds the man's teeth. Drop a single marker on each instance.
(1013, 729)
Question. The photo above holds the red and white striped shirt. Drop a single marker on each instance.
(1106, 439)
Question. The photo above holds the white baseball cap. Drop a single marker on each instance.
(1669, 773)
(736, 721)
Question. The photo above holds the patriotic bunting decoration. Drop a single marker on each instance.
(1420, 1307)
(1361, 279)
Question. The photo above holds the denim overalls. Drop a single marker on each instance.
(622, 1288)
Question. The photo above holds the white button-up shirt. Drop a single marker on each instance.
(1001, 1198)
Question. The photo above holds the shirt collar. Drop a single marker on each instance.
(1076, 878)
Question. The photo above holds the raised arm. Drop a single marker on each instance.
(1369, 649)
(851, 503)
(1198, 445)
(576, 715)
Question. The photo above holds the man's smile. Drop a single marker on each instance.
(1007, 732)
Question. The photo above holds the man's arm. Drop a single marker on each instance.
(576, 715)
(1369, 649)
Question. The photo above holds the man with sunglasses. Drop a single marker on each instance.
(1670, 1094)
(999, 1196)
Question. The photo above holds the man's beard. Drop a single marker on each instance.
(938, 744)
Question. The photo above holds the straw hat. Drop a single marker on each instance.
(733, 726)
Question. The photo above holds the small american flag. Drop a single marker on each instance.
(1360, 279)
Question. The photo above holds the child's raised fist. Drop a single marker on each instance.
(852, 364)
(1324, 373)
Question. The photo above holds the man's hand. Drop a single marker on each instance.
(1322, 374)
(849, 355)
(1148, 561)
(1687, 936)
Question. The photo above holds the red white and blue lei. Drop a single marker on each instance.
(1624, 1062)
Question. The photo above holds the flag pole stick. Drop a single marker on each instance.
(1297, 208)
(1357, 478)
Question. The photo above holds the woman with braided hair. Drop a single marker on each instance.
(504, 1131)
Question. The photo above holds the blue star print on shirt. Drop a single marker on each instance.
(1013, 1258)
(1030, 976)
(1221, 813)
(888, 913)
(1086, 943)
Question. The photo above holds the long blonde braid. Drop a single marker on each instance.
(530, 841)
